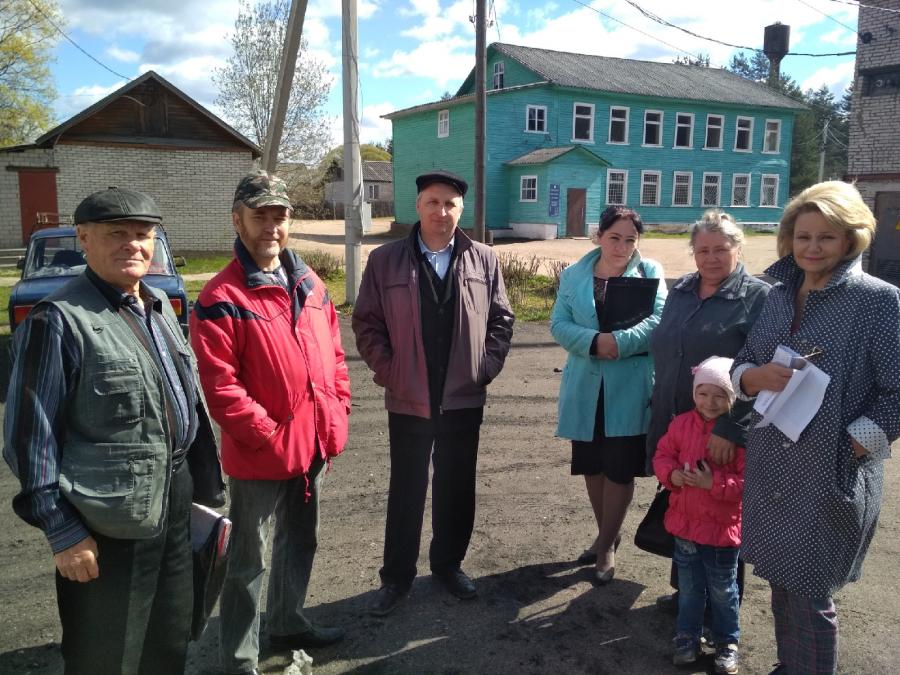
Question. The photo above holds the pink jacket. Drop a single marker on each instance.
(711, 517)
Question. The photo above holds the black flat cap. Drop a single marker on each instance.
(441, 176)
(117, 204)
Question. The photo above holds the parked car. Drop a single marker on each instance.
(54, 256)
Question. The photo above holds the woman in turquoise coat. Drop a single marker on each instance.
(604, 396)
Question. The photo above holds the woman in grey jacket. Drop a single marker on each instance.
(708, 313)
(811, 505)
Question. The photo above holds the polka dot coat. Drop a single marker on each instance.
(810, 507)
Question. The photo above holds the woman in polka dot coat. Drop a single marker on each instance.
(811, 507)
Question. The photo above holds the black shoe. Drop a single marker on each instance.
(314, 636)
(386, 600)
(668, 604)
(458, 583)
(588, 557)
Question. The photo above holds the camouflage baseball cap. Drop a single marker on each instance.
(260, 188)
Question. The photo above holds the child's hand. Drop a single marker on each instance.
(676, 478)
(701, 477)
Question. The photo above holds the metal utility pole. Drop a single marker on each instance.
(352, 165)
(478, 230)
(822, 151)
(283, 88)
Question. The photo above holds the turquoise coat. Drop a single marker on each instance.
(628, 379)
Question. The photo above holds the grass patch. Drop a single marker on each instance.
(203, 263)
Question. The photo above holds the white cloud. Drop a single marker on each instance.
(836, 78)
(441, 62)
(69, 105)
(839, 36)
(373, 129)
(123, 55)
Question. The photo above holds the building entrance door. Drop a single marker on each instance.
(37, 196)
(576, 200)
(884, 261)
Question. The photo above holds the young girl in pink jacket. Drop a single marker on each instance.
(705, 518)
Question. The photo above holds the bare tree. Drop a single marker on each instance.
(247, 84)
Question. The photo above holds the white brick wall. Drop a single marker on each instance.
(193, 188)
(875, 122)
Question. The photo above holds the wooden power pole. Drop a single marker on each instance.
(478, 230)
(285, 81)
(353, 196)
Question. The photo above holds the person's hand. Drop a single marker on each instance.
(79, 562)
(769, 377)
(701, 477)
(607, 347)
(721, 450)
(858, 450)
(676, 478)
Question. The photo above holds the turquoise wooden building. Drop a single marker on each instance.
(569, 134)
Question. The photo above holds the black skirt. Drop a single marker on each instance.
(619, 458)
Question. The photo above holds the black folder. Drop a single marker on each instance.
(628, 301)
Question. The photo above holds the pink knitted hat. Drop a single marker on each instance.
(715, 370)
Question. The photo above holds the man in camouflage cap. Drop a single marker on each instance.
(272, 367)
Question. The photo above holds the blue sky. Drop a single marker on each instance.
(411, 51)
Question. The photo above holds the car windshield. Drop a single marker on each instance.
(62, 256)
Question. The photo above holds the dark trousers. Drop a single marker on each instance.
(136, 616)
(455, 456)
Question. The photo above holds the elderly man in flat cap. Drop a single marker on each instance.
(272, 367)
(107, 432)
(433, 322)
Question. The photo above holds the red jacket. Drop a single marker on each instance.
(711, 517)
(272, 368)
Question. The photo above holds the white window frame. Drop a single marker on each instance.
(658, 175)
(718, 185)
(575, 107)
(777, 137)
(737, 130)
(528, 109)
(627, 124)
(443, 124)
(523, 188)
(762, 190)
(690, 187)
(690, 143)
(734, 178)
(499, 69)
(373, 190)
(662, 119)
(721, 119)
(624, 173)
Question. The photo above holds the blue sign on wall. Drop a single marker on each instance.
(554, 199)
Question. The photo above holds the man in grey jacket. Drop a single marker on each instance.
(433, 322)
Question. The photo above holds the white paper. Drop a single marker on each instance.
(792, 409)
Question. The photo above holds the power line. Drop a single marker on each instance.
(859, 4)
(663, 22)
(638, 30)
(75, 44)
(828, 16)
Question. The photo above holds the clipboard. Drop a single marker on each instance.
(628, 301)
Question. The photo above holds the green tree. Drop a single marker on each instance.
(755, 67)
(702, 59)
(248, 81)
(26, 87)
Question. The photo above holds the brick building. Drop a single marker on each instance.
(147, 136)
(874, 154)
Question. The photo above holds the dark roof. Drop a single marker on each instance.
(642, 78)
(544, 155)
(49, 139)
(378, 170)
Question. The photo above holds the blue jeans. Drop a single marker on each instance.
(253, 503)
(707, 574)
